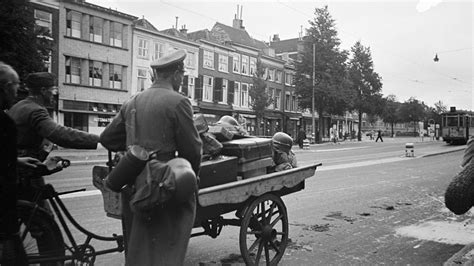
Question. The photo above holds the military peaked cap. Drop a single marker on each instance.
(40, 79)
(173, 60)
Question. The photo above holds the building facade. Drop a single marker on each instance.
(94, 73)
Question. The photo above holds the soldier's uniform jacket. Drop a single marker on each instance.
(34, 125)
(164, 123)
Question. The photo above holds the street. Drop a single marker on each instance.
(368, 204)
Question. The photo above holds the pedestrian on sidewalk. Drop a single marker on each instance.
(379, 136)
(301, 137)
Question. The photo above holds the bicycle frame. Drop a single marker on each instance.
(80, 252)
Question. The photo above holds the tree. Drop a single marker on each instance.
(390, 111)
(365, 83)
(330, 92)
(260, 99)
(20, 46)
(412, 111)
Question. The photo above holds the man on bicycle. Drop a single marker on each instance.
(164, 122)
(11, 248)
(35, 128)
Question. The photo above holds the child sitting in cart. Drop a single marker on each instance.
(283, 156)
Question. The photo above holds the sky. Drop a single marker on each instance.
(404, 36)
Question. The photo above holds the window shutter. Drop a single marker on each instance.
(230, 92)
(217, 93)
(184, 86)
(198, 88)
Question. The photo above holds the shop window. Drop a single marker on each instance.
(77, 120)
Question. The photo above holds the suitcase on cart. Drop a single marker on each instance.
(248, 149)
(220, 170)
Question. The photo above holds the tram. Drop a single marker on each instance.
(457, 126)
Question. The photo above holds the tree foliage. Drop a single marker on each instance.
(366, 84)
(330, 93)
(20, 46)
(390, 111)
(412, 111)
(260, 99)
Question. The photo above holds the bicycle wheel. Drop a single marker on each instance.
(42, 239)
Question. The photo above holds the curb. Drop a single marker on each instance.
(441, 152)
(463, 257)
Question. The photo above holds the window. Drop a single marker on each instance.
(159, 50)
(237, 93)
(208, 84)
(73, 24)
(115, 76)
(95, 32)
(271, 75)
(191, 87)
(236, 63)
(208, 59)
(141, 79)
(278, 77)
(293, 103)
(224, 91)
(244, 95)
(245, 65)
(116, 35)
(47, 62)
(143, 48)
(288, 79)
(287, 102)
(190, 62)
(253, 66)
(43, 21)
(223, 63)
(73, 70)
(271, 93)
(277, 99)
(77, 120)
(95, 73)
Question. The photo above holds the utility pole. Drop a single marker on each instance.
(312, 98)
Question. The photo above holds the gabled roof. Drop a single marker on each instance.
(145, 24)
(174, 32)
(224, 33)
(200, 34)
(285, 46)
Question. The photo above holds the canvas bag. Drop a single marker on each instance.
(156, 183)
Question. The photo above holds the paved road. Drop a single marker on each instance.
(341, 217)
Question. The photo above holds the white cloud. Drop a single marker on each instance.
(424, 5)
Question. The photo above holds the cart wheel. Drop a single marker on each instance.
(264, 231)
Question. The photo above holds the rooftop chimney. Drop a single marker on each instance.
(183, 30)
(452, 109)
(276, 38)
(238, 22)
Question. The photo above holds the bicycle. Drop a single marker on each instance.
(41, 235)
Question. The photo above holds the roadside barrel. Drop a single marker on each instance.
(409, 149)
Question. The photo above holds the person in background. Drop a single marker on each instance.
(301, 137)
(379, 135)
(164, 123)
(37, 130)
(11, 247)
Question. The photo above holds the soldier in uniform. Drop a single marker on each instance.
(35, 128)
(164, 122)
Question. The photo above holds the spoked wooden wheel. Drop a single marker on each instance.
(264, 231)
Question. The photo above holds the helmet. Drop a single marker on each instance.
(186, 182)
(228, 120)
(282, 141)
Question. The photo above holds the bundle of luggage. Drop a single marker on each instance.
(230, 154)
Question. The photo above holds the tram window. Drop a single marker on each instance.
(452, 121)
(461, 121)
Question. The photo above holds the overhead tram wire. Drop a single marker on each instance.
(393, 54)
